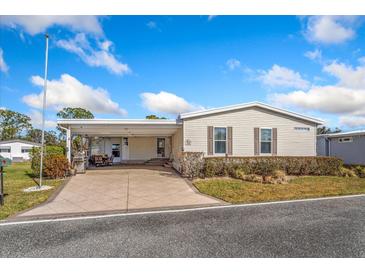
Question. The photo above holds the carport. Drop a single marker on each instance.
(125, 141)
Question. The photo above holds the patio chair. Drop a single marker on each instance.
(98, 160)
(109, 161)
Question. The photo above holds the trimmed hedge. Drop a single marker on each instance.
(265, 166)
(191, 164)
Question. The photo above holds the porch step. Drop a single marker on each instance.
(157, 161)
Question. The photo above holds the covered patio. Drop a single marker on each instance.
(113, 142)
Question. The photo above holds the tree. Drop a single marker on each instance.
(154, 117)
(74, 113)
(327, 130)
(35, 135)
(13, 124)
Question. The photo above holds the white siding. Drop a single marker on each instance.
(290, 142)
(16, 150)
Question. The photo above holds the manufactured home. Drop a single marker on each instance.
(348, 146)
(251, 129)
(17, 150)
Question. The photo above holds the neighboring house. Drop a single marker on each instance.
(251, 129)
(17, 150)
(349, 146)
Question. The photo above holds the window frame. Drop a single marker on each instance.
(226, 141)
(8, 150)
(271, 142)
(342, 140)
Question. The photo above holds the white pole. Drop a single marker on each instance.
(44, 110)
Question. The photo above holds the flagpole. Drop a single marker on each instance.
(43, 111)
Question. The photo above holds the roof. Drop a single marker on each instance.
(344, 134)
(19, 141)
(249, 105)
(121, 127)
(116, 122)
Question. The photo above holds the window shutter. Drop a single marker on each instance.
(256, 141)
(210, 140)
(274, 141)
(230, 148)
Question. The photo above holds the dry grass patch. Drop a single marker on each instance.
(16, 178)
(237, 191)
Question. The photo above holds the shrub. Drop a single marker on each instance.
(191, 164)
(265, 166)
(360, 171)
(347, 172)
(55, 166)
(49, 152)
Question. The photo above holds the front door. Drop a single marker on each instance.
(116, 153)
(161, 147)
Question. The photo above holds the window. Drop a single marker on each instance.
(116, 150)
(345, 140)
(265, 140)
(302, 128)
(220, 140)
(5, 150)
(26, 150)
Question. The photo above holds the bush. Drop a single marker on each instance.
(50, 151)
(55, 166)
(265, 166)
(191, 164)
(360, 171)
(347, 172)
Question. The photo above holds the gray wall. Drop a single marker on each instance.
(321, 146)
(350, 153)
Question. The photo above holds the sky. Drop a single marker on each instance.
(133, 66)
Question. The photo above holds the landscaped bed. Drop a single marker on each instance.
(238, 191)
(17, 177)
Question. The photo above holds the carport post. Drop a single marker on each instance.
(68, 144)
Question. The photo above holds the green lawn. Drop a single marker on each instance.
(237, 191)
(16, 178)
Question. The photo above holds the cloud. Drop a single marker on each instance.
(165, 102)
(352, 121)
(315, 55)
(151, 25)
(36, 120)
(70, 92)
(347, 75)
(99, 57)
(345, 98)
(36, 24)
(330, 29)
(3, 66)
(279, 76)
(233, 63)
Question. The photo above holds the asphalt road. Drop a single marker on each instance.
(326, 228)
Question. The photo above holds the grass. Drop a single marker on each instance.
(237, 191)
(16, 178)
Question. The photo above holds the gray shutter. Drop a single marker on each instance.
(229, 149)
(210, 140)
(256, 141)
(274, 141)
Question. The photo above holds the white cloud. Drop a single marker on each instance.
(100, 57)
(330, 29)
(233, 63)
(152, 24)
(39, 24)
(279, 76)
(347, 75)
(352, 121)
(3, 66)
(70, 92)
(36, 120)
(315, 55)
(165, 102)
(346, 98)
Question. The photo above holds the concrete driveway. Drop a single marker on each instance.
(122, 189)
